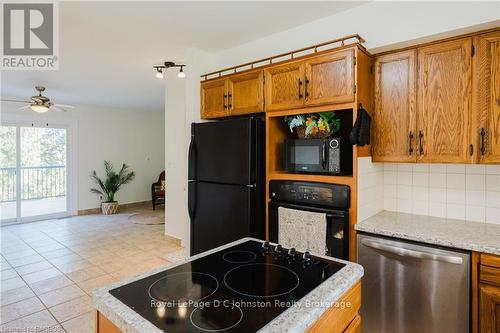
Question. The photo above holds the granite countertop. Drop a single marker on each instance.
(294, 319)
(459, 234)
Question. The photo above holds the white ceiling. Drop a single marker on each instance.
(107, 49)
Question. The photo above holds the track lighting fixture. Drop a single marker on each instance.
(159, 73)
(168, 64)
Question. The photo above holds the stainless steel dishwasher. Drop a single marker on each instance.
(413, 288)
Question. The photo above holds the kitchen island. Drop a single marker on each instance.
(289, 291)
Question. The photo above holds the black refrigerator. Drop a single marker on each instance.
(226, 187)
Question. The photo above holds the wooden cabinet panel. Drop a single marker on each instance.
(444, 102)
(488, 79)
(395, 108)
(354, 326)
(245, 93)
(330, 79)
(489, 309)
(337, 319)
(214, 99)
(284, 87)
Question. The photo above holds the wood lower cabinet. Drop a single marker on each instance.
(488, 78)
(394, 114)
(284, 88)
(330, 79)
(444, 114)
(245, 93)
(214, 99)
(341, 319)
(489, 294)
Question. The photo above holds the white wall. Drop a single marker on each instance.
(182, 107)
(118, 135)
(381, 23)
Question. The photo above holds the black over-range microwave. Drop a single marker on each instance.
(326, 156)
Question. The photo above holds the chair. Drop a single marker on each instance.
(157, 192)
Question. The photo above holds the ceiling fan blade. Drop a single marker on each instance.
(64, 106)
(57, 108)
(24, 107)
(14, 100)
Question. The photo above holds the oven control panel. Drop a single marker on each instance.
(324, 194)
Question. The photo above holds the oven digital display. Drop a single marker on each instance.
(305, 155)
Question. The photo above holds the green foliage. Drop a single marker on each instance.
(109, 186)
(332, 120)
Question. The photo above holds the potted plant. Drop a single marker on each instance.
(314, 125)
(109, 186)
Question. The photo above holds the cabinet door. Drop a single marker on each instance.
(488, 71)
(395, 107)
(444, 102)
(330, 78)
(489, 309)
(245, 93)
(284, 87)
(214, 99)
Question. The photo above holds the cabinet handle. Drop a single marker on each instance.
(483, 148)
(306, 92)
(410, 143)
(300, 92)
(224, 101)
(230, 100)
(421, 146)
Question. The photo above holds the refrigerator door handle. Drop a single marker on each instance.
(192, 199)
(191, 159)
(402, 252)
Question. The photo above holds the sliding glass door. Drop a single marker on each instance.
(34, 174)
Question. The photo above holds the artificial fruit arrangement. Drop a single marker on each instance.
(314, 125)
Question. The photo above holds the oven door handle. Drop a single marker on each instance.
(323, 156)
(330, 212)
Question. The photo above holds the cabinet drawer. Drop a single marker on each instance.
(490, 275)
(490, 260)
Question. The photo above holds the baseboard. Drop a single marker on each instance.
(92, 211)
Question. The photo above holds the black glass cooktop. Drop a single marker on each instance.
(239, 289)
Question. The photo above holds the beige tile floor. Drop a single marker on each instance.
(49, 268)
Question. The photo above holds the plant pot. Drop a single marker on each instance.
(109, 208)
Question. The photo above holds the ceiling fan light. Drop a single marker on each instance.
(39, 108)
(181, 73)
(159, 73)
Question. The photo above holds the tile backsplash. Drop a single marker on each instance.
(457, 191)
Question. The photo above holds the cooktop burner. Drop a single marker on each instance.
(239, 257)
(238, 289)
(261, 280)
(215, 318)
(183, 287)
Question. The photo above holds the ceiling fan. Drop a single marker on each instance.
(40, 103)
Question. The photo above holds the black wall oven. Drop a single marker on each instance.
(330, 156)
(331, 199)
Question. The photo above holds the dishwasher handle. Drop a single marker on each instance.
(411, 253)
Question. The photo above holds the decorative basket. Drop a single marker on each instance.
(109, 208)
(300, 131)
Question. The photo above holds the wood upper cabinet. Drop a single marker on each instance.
(245, 93)
(395, 107)
(330, 78)
(214, 99)
(488, 93)
(235, 95)
(444, 113)
(284, 87)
